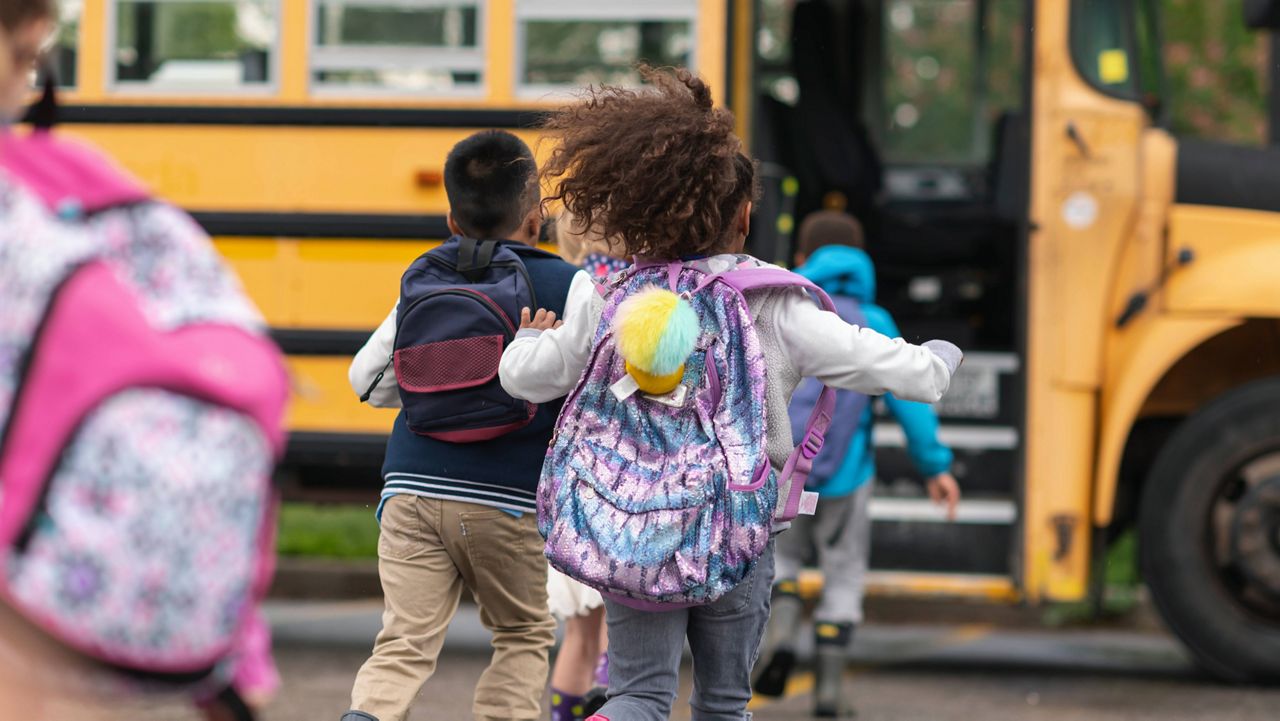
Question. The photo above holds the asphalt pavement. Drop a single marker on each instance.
(964, 672)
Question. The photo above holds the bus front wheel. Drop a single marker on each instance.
(1209, 533)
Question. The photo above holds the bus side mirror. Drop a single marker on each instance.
(1262, 14)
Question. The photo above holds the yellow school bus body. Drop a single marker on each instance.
(1089, 381)
(328, 283)
(1103, 224)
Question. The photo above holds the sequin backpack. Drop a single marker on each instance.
(141, 411)
(666, 501)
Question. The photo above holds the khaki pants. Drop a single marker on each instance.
(427, 550)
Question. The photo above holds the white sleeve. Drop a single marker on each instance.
(821, 345)
(542, 366)
(375, 358)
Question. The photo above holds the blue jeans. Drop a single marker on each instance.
(645, 649)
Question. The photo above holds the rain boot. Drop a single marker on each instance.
(778, 657)
(595, 700)
(831, 654)
(597, 696)
(566, 707)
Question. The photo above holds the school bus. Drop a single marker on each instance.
(1114, 284)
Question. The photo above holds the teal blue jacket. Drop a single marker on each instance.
(841, 270)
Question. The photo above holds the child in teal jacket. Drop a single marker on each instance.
(838, 536)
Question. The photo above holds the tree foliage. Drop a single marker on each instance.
(1217, 71)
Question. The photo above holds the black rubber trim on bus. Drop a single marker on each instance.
(299, 341)
(324, 225)
(323, 467)
(1230, 176)
(925, 547)
(297, 116)
(326, 444)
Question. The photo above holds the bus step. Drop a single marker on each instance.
(981, 587)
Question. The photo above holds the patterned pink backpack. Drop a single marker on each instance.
(664, 502)
(140, 418)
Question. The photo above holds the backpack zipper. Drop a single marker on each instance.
(364, 397)
(484, 300)
(476, 295)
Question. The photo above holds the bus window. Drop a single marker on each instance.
(949, 75)
(62, 59)
(929, 79)
(773, 52)
(382, 46)
(194, 45)
(1151, 78)
(565, 44)
(1101, 44)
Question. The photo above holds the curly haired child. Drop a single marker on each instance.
(661, 169)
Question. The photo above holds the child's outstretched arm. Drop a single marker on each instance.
(371, 370)
(920, 424)
(546, 359)
(821, 345)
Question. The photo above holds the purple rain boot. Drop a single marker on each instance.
(567, 707)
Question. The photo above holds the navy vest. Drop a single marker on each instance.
(501, 472)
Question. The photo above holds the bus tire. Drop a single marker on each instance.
(1225, 611)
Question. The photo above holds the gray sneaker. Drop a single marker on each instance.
(358, 716)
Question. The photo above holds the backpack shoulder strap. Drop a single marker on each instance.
(70, 178)
(800, 463)
(474, 257)
(749, 279)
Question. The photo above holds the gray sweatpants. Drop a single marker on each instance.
(838, 537)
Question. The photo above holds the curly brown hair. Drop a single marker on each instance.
(659, 168)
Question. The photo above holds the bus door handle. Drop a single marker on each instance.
(1138, 301)
(1074, 135)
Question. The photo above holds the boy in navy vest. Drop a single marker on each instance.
(838, 537)
(464, 514)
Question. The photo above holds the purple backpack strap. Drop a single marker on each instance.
(800, 463)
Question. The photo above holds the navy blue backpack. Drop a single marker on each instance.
(459, 309)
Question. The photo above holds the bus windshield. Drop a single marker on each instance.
(949, 70)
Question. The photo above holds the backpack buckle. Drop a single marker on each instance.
(812, 444)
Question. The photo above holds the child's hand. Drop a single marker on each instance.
(543, 320)
(944, 491)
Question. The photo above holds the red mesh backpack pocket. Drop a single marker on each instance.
(449, 364)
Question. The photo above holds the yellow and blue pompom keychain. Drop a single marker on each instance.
(656, 331)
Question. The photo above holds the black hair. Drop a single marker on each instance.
(491, 181)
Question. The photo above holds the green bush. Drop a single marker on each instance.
(330, 531)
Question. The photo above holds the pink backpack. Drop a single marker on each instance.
(141, 411)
